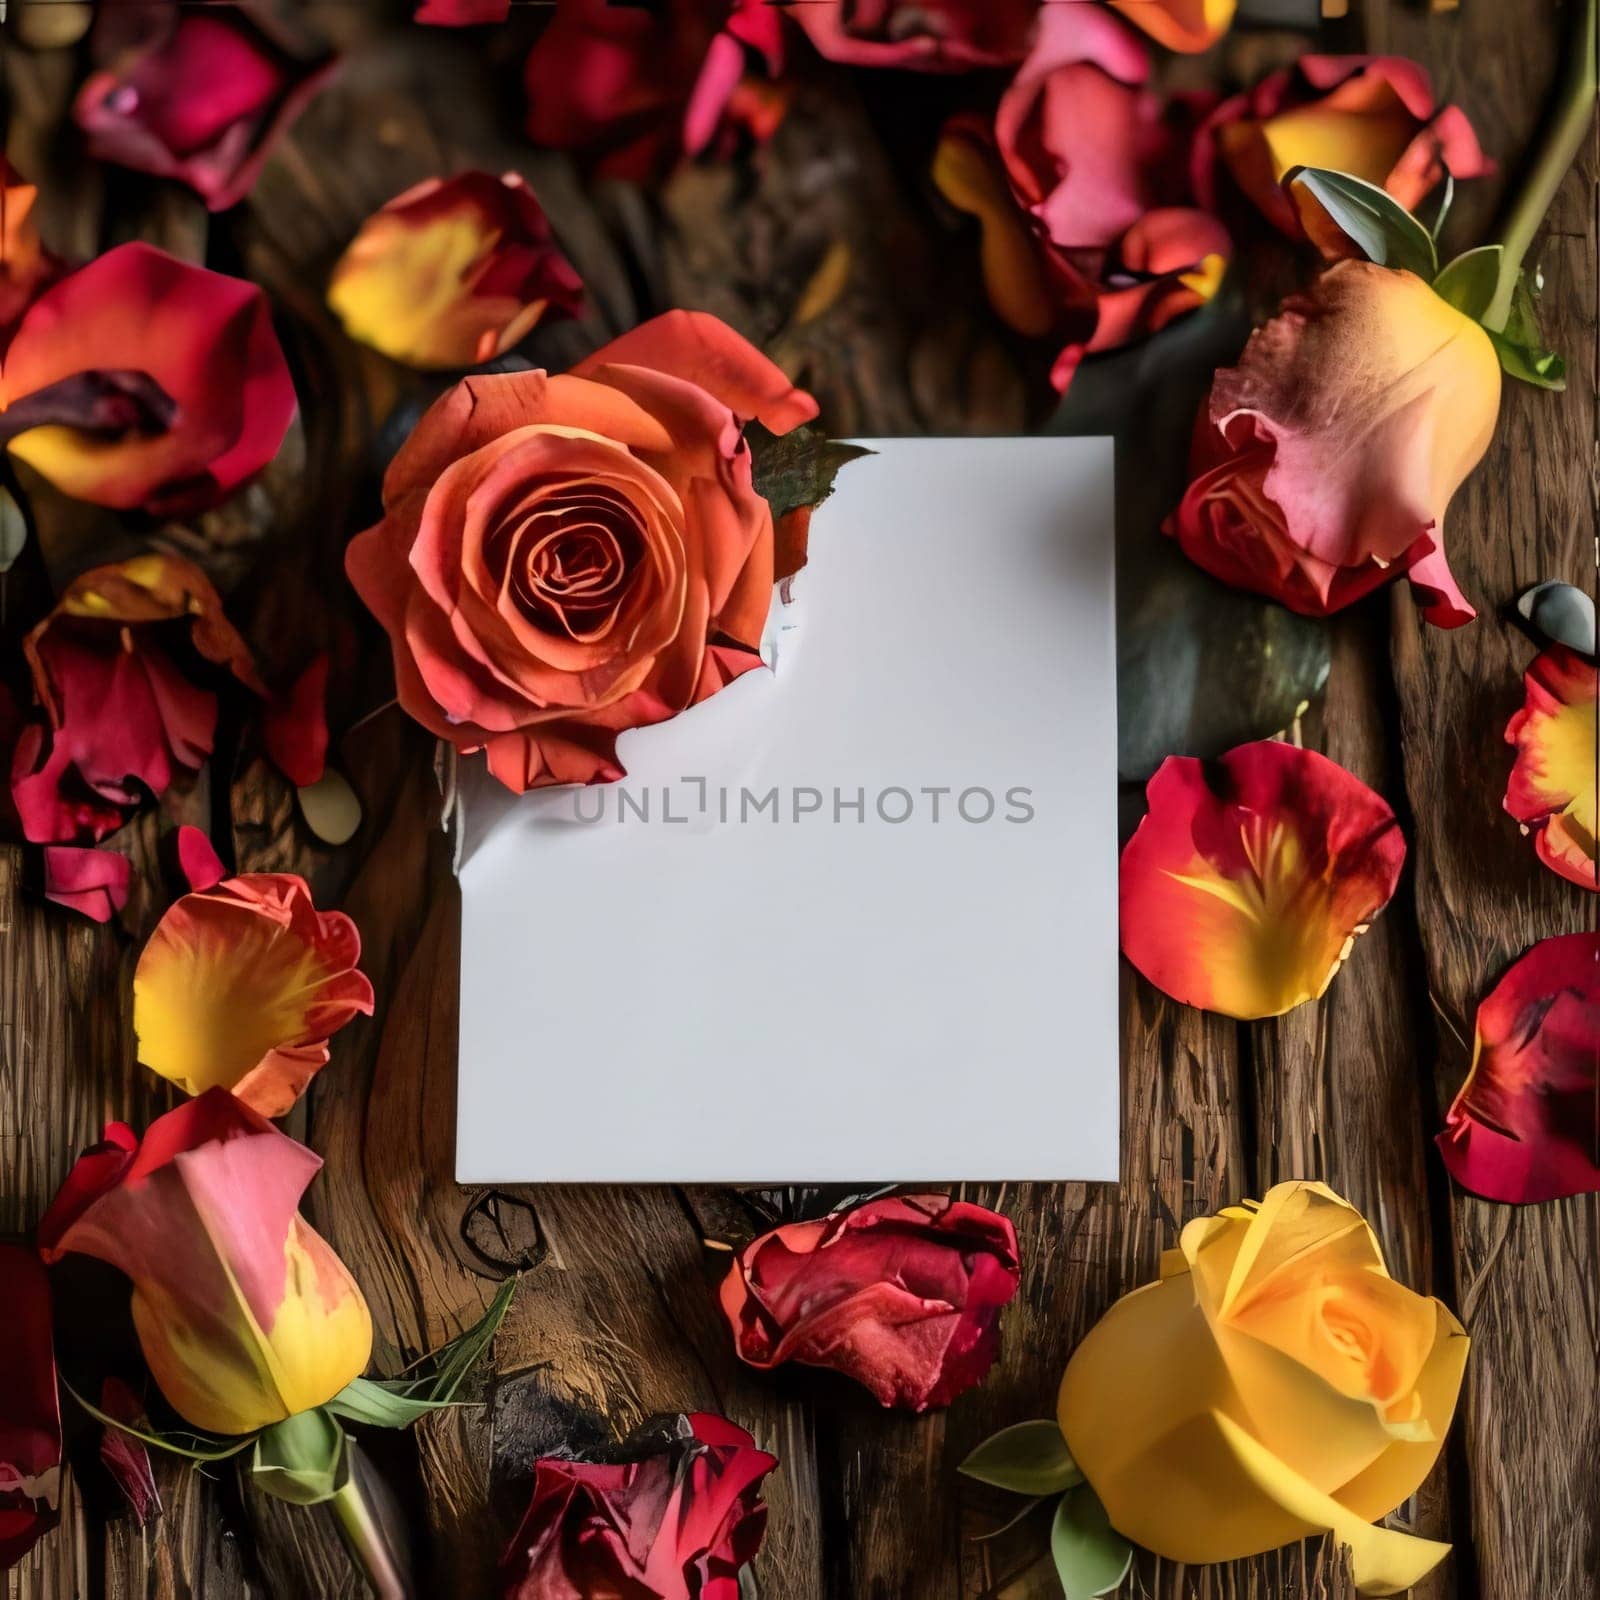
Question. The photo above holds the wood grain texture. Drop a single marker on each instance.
(615, 1318)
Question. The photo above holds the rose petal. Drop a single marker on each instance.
(242, 986)
(244, 1314)
(30, 1420)
(453, 272)
(26, 267)
(124, 1456)
(294, 729)
(925, 36)
(1187, 25)
(902, 1295)
(1552, 786)
(705, 351)
(94, 882)
(198, 860)
(204, 339)
(1244, 887)
(203, 102)
(1525, 1126)
(461, 13)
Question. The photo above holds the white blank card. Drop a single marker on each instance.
(852, 919)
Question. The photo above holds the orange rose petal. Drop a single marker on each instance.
(241, 986)
(1245, 886)
(453, 272)
(1187, 25)
(704, 350)
(1552, 786)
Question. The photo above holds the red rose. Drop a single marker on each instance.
(677, 1523)
(902, 1295)
(30, 1421)
(199, 96)
(564, 558)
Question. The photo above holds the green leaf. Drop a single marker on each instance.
(1542, 368)
(207, 1447)
(796, 468)
(1029, 1458)
(1468, 282)
(368, 1401)
(13, 530)
(1521, 346)
(1091, 1557)
(303, 1459)
(1445, 201)
(1372, 217)
(398, 1402)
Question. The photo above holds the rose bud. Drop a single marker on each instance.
(1275, 1383)
(1246, 885)
(453, 272)
(923, 35)
(677, 1520)
(1187, 25)
(30, 1417)
(140, 381)
(1554, 781)
(564, 558)
(1324, 462)
(1081, 192)
(26, 267)
(200, 96)
(903, 1295)
(1371, 116)
(244, 1314)
(635, 87)
(112, 670)
(241, 985)
(1522, 1127)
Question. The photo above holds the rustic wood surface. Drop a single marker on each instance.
(829, 262)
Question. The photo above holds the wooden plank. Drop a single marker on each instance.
(1524, 1277)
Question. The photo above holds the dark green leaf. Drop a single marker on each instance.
(193, 1446)
(303, 1459)
(1091, 1557)
(1377, 222)
(1028, 1458)
(364, 1400)
(796, 468)
(1468, 282)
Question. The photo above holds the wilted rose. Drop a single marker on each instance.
(244, 1314)
(903, 1295)
(678, 1520)
(114, 670)
(453, 272)
(1324, 462)
(199, 95)
(563, 558)
(139, 381)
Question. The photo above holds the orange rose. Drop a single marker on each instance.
(563, 558)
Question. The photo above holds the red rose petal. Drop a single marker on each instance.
(94, 882)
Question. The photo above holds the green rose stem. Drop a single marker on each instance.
(364, 1535)
(1569, 126)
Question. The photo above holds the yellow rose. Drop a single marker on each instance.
(1275, 1383)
